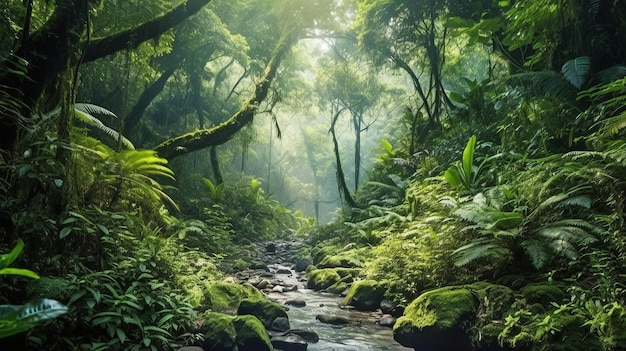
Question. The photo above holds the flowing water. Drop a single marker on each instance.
(361, 334)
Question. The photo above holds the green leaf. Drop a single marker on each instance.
(468, 158)
(18, 271)
(7, 259)
(65, 232)
(458, 22)
(576, 70)
(120, 334)
(453, 177)
(386, 145)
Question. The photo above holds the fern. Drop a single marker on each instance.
(577, 70)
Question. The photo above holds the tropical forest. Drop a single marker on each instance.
(352, 175)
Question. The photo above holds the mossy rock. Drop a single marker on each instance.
(225, 296)
(348, 272)
(544, 294)
(365, 295)
(227, 333)
(251, 334)
(437, 320)
(338, 287)
(266, 311)
(50, 288)
(571, 335)
(219, 332)
(319, 279)
(341, 261)
(319, 253)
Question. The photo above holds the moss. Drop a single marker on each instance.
(437, 320)
(365, 295)
(338, 287)
(219, 332)
(343, 260)
(542, 293)
(443, 308)
(266, 311)
(571, 335)
(49, 287)
(251, 334)
(322, 278)
(319, 253)
(223, 296)
(348, 272)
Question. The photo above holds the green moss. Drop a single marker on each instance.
(266, 311)
(343, 260)
(251, 334)
(443, 308)
(219, 332)
(365, 295)
(319, 253)
(322, 278)
(348, 272)
(542, 293)
(223, 296)
(49, 287)
(570, 335)
(337, 288)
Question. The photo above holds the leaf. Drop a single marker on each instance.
(65, 232)
(19, 271)
(468, 159)
(453, 177)
(458, 22)
(7, 259)
(576, 70)
(386, 145)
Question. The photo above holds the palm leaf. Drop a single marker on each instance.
(17, 319)
(544, 84)
(576, 70)
(85, 112)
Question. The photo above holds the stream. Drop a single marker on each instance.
(361, 333)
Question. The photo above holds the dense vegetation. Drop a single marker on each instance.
(147, 146)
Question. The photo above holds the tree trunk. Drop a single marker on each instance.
(215, 167)
(344, 192)
(223, 132)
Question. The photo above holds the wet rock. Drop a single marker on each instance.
(307, 335)
(278, 289)
(386, 306)
(332, 319)
(265, 311)
(281, 324)
(296, 303)
(283, 271)
(365, 295)
(270, 248)
(263, 284)
(289, 343)
(225, 332)
(322, 278)
(387, 320)
(302, 264)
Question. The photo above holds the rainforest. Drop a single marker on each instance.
(427, 175)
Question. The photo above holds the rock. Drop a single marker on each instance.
(544, 294)
(225, 332)
(436, 320)
(278, 289)
(283, 271)
(340, 260)
(387, 320)
(338, 288)
(387, 306)
(332, 319)
(265, 311)
(251, 334)
(307, 335)
(224, 296)
(280, 324)
(270, 248)
(301, 265)
(322, 278)
(296, 303)
(365, 295)
(263, 284)
(254, 281)
(289, 343)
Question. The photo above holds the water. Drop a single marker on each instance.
(361, 334)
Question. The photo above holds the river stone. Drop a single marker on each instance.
(281, 324)
(306, 334)
(264, 310)
(289, 343)
(296, 303)
(270, 248)
(283, 271)
(387, 320)
(332, 319)
(263, 284)
(278, 289)
(302, 264)
(365, 295)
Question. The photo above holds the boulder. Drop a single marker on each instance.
(365, 295)
(437, 320)
(265, 311)
(289, 343)
(301, 265)
(322, 278)
(251, 334)
(296, 302)
(387, 320)
(270, 248)
(280, 324)
(225, 296)
(340, 261)
(543, 294)
(332, 319)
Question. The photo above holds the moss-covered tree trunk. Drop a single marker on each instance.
(223, 132)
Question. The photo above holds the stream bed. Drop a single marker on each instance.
(360, 334)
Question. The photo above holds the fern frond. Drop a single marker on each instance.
(544, 84)
(481, 248)
(613, 125)
(84, 113)
(537, 252)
